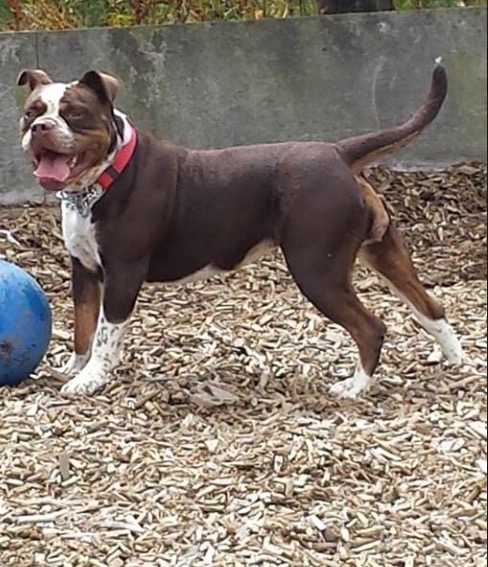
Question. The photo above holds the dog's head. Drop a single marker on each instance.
(68, 130)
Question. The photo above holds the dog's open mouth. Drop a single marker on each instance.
(55, 170)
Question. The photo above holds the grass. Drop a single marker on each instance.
(65, 14)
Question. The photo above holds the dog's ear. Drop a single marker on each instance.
(105, 86)
(33, 78)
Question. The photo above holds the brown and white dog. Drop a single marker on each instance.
(138, 210)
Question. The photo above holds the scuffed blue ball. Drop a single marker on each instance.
(25, 324)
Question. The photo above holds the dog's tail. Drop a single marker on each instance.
(362, 150)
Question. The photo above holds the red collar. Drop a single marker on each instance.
(121, 161)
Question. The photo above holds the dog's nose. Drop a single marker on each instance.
(41, 128)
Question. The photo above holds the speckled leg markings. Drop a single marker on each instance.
(76, 363)
(107, 348)
(353, 387)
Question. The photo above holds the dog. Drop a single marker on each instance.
(136, 209)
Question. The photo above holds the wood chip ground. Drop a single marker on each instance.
(218, 444)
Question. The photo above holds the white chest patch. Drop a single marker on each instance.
(79, 237)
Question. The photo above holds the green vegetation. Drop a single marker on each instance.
(63, 14)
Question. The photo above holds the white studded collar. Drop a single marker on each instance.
(82, 201)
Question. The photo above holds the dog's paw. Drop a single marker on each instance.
(353, 387)
(75, 364)
(447, 340)
(454, 353)
(86, 383)
(347, 389)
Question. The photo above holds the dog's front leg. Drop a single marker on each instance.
(86, 292)
(121, 287)
(106, 351)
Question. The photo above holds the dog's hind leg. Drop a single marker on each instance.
(327, 285)
(390, 259)
(320, 251)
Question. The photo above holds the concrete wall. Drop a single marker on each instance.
(221, 84)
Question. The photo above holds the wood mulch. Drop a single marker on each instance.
(218, 444)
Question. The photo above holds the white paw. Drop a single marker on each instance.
(446, 337)
(347, 389)
(75, 364)
(88, 381)
(454, 352)
(352, 387)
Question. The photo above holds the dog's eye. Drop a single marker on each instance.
(74, 115)
(30, 113)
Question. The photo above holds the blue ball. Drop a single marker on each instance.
(25, 324)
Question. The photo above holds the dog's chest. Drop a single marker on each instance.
(80, 237)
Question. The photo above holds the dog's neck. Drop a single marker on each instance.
(83, 194)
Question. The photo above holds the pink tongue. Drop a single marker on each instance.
(53, 168)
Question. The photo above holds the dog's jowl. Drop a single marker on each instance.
(136, 209)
